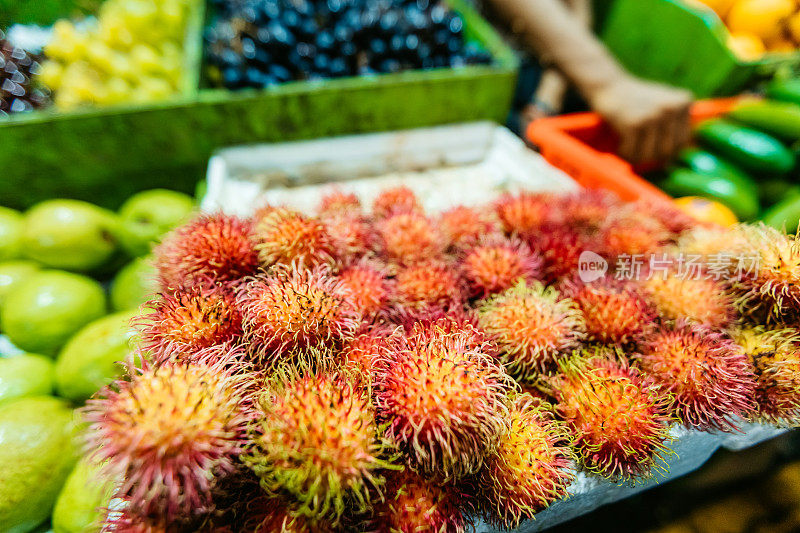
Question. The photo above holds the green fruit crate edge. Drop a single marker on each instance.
(105, 155)
(685, 45)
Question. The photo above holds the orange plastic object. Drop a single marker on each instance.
(584, 146)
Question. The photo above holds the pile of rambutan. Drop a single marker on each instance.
(403, 371)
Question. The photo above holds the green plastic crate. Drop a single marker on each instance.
(684, 45)
(104, 155)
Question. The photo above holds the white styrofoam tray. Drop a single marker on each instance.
(467, 164)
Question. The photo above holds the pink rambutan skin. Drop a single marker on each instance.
(353, 236)
(618, 417)
(338, 202)
(614, 311)
(168, 432)
(708, 375)
(188, 320)
(287, 237)
(295, 309)
(443, 400)
(209, 249)
(495, 264)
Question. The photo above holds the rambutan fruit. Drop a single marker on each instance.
(425, 286)
(614, 311)
(532, 326)
(338, 202)
(214, 248)
(711, 241)
(265, 514)
(711, 381)
(127, 520)
(586, 210)
(169, 433)
(188, 320)
(560, 249)
(443, 400)
(697, 299)
(414, 504)
(495, 264)
(628, 234)
(524, 213)
(530, 468)
(462, 226)
(353, 237)
(368, 287)
(775, 356)
(285, 237)
(294, 310)
(410, 237)
(670, 217)
(361, 351)
(316, 439)
(395, 200)
(770, 286)
(617, 417)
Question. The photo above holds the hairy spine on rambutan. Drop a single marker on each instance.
(618, 418)
(426, 286)
(414, 504)
(443, 400)
(169, 433)
(295, 309)
(694, 298)
(775, 356)
(352, 235)
(531, 467)
(585, 211)
(463, 226)
(495, 264)
(627, 233)
(285, 237)
(675, 221)
(370, 344)
(614, 311)
(395, 200)
(338, 202)
(532, 326)
(769, 283)
(409, 238)
(711, 381)
(560, 249)
(188, 320)
(209, 249)
(524, 213)
(368, 286)
(316, 438)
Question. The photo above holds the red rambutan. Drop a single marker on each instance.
(586, 210)
(294, 310)
(339, 202)
(463, 226)
(410, 237)
(529, 469)
(775, 356)
(361, 351)
(353, 238)
(285, 237)
(368, 287)
(770, 286)
(210, 248)
(443, 400)
(317, 440)
(532, 325)
(560, 249)
(496, 264)
(617, 417)
(394, 201)
(614, 311)
(628, 233)
(414, 504)
(425, 286)
(169, 432)
(711, 381)
(188, 320)
(696, 299)
(524, 213)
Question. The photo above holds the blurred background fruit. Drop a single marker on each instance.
(133, 285)
(704, 210)
(41, 312)
(79, 508)
(148, 215)
(38, 450)
(25, 375)
(10, 233)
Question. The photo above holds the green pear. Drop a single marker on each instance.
(13, 272)
(134, 284)
(43, 311)
(25, 375)
(69, 234)
(145, 217)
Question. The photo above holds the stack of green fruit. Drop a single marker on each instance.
(56, 261)
(748, 160)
